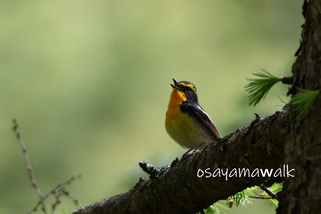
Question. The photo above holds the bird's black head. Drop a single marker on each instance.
(187, 88)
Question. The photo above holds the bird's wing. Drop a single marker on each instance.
(203, 118)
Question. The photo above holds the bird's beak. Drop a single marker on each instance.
(176, 85)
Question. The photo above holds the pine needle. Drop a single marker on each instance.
(303, 100)
(258, 88)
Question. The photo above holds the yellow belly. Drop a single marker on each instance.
(186, 131)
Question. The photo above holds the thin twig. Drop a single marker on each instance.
(59, 186)
(53, 191)
(58, 191)
(269, 192)
(29, 168)
(260, 197)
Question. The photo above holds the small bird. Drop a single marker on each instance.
(186, 121)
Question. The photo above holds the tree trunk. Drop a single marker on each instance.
(264, 144)
(303, 145)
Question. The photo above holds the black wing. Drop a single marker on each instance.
(197, 112)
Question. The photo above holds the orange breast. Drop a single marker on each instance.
(177, 97)
(178, 125)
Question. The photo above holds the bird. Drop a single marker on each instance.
(186, 121)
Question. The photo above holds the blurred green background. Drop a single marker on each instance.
(88, 82)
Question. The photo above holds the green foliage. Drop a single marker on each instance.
(212, 210)
(216, 208)
(283, 100)
(258, 88)
(243, 197)
(276, 187)
(302, 101)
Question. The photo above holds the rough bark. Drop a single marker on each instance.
(178, 189)
(303, 143)
(265, 143)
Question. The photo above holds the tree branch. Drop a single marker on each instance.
(180, 189)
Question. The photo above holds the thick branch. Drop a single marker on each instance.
(180, 190)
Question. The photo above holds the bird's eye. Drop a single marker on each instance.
(190, 89)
